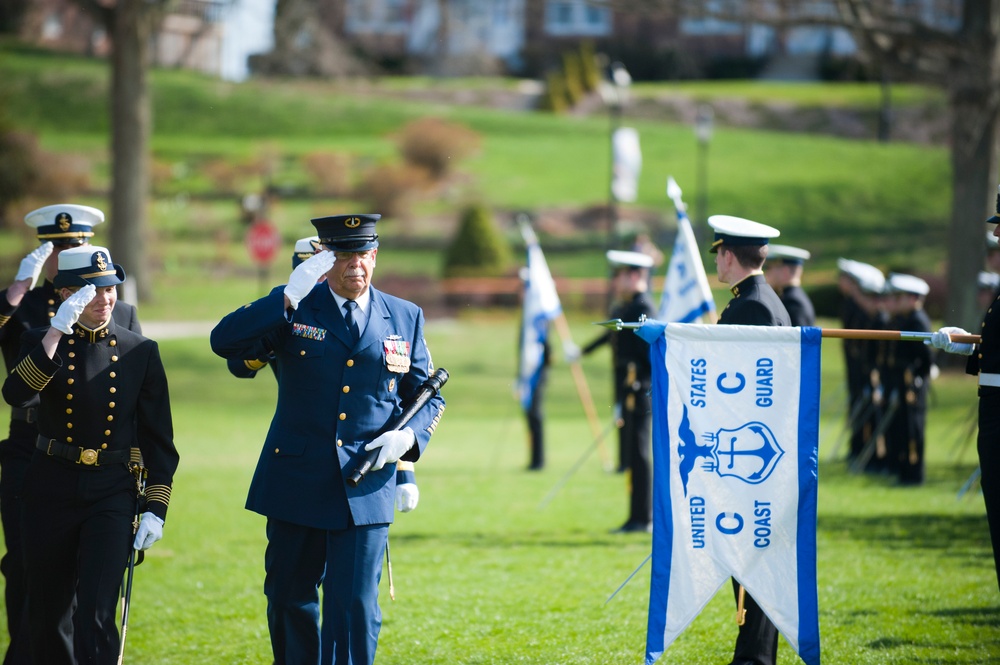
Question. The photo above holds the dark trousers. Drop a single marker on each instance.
(757, 642)
(13, 466)
(988, 445)
(635, 437)
(348, 565)
(536, 420)
(77, 535)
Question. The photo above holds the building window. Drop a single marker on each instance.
(576, 17)
(375, 16)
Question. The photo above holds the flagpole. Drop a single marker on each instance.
(583, 390)
(837, 333)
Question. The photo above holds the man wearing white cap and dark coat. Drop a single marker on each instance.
(348, 357)
(784, 274)
(740, 248)
(101, 390)
(29, 302)
(984, 363)
(633, 379)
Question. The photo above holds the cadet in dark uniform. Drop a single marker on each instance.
(984, 362)
(24, 305)
(407, 492)
(101, 389)
(347, 356)
(784, 273)
(740, 248)
(633, 378)
(908, 374)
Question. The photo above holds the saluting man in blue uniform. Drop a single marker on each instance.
(347, 359)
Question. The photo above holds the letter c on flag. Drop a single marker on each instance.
(729, 531)
(731, 391)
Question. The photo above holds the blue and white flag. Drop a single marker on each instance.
(686, 293)
(736, 443)
(541, 305)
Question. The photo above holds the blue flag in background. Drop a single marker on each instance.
(736, 444)
(686, 293)
(541, 305)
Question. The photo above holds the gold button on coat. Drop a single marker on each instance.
(350, 363)
(346, 389)
(343, 416)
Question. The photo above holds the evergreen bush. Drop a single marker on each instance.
(478, 250)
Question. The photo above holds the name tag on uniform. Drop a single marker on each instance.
(397, 354)
(309, 332)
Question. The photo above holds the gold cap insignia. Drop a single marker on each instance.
(352, 222)
(102, 263)
(63, 221)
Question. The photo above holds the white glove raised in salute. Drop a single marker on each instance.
(407, 497)
(150, 530)
(31, 265)
(942, 340)
(71, 308)
(303, 278)
(392, 445)
(571, 352)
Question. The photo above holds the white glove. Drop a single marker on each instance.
(571, 352)
(942, 340)
(150, 530)
(71, 308)
(31, 265)
(304, 277)
(407, 497)
(391, 446)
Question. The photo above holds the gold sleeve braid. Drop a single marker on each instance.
(404, 466)
(159, 493)
(434, 423)
(3, 320)
(254, 364)
(35, 378)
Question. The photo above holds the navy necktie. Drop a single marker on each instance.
(352, 323)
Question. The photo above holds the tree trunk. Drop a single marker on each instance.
(131, 120)
(974, 178)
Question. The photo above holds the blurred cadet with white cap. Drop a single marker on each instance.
(908, 369)
(984, 363)
(740, 247)
(632, 382)
(784, 269)
(30, 302)
(100, 391)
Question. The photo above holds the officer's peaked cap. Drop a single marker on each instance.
(622, 259)
(347, 233)
(788, 254)
(304, 248)
(868, 277)
(732, 231)
(87, 264)
(64, 223)
(900, 283)
(988, 280)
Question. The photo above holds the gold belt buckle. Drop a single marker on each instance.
(88, 456)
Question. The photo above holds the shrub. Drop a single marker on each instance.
(329, 172)
(574, 78)
(554, 98)
(389, 188)
(590, 71)
(436, 145)
(18, 168)
(478, 250)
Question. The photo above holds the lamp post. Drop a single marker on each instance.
(614, 92)
(703, 122)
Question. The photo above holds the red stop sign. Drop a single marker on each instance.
(262, 241)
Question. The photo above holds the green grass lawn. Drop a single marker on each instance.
(483, 575)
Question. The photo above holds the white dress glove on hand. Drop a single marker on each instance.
(407, 497)
(942, 340)
(31, 265)
(71, 308)
(392, 445)
(150, 530)
(571, 352)
(303, 278)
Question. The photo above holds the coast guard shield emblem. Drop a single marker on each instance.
(749, 452)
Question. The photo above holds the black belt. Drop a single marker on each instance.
(28, 415)
(80, 455)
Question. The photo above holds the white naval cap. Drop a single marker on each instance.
(732, 231)
(621, 259)
(67, 223)
(868, 277)
(304, 248)
(901, 283)
(788, 254)
(87, 264)
(988, 280)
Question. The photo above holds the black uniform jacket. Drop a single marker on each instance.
(800, 308)
(104, 389)
(754, 303)
(629, 350)
(986, 357)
